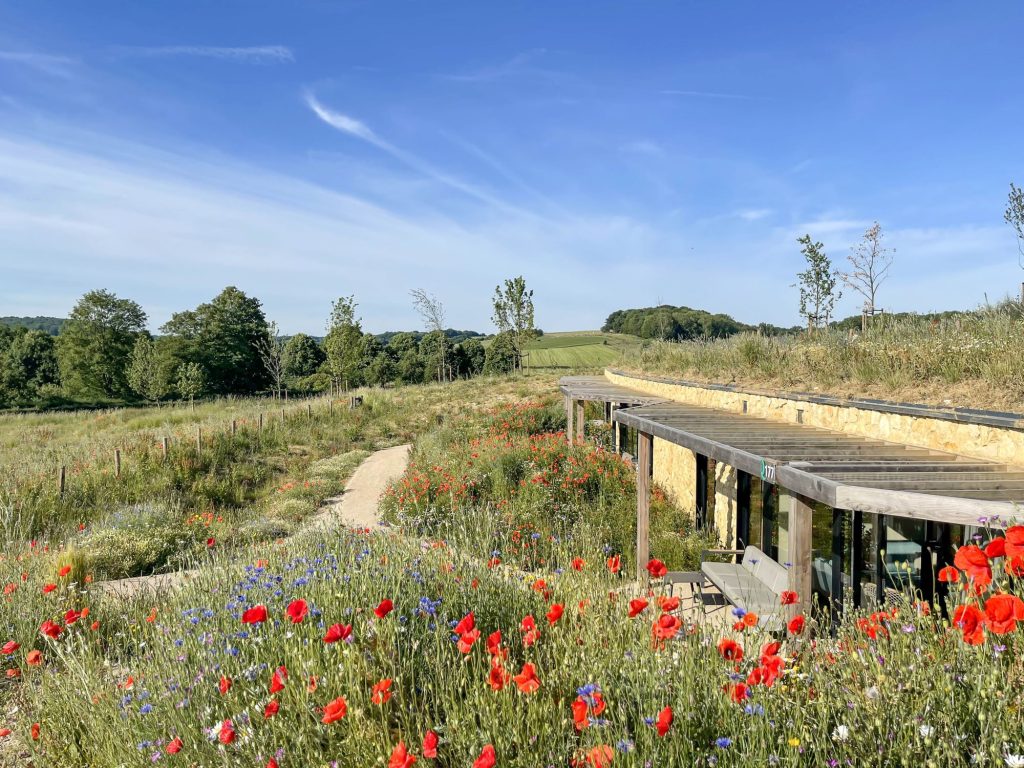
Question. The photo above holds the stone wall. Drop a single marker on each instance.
(675, 471)
(976, 440)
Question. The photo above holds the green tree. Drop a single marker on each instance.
(191, 381)
(28, 364)
(431, 310)
(95, 345)
(473, 354)
(383, 370)
(146, 375)
(410, 367)
(344, 343)
(271, 349)
(870, 262)
(224, 337)
(817, 285)
(302, 356)
(502, 354)
(513, 314)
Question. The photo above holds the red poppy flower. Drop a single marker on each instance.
(48, 588)
(528, 626)
(667, 604)
(227, 732)
(1002, 612)
(972, 561)
(210, 543)
(578, 563)
(272, 763)
(1015, 566)
(771, 649)
(466, 624)
(50, 629)
(555, 613)
(789, 597)
(271, 709)
(996, 547)
(498, 678)
(1014, 541)
(225, 685)
(334, 711)
(384, 608)
(5, 732)
(400, 757)
(667, 626)
(430, 745)
(277, 679)
(750, 619)
(526, 680)
(34, 658)
(297, 610)
(739, 693)
(663, 721)
(949, 575)
(637, 606)
(494, 645)
(174, 746)
(730, 649)
(9, 648)
(796, 625)
(656, 568)
(487, 758)
(337, 632)
(466, 640)
(64, 571)
(255, 615)
(615, 563)
(971, 623)
(600, 756)
(579, 713)
(35, 731)
(381, 691)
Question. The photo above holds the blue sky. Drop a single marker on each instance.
(614, 153)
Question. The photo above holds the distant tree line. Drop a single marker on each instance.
(676, 323)
(50, 325)
(103, 353)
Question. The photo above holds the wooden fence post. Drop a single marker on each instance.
(800, 530)
(117, 462)
(282, 415)
(309, 410)
(643, 503)
(234, 427)
(62, 480)
(164, 444)
(261, 421)
(199, 440)
(330, 406)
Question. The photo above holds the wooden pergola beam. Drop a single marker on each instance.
(643, 502)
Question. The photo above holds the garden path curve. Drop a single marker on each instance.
(357, 506)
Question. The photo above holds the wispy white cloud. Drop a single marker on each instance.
(51, 64)
(754, 214)
(358, 129)
(520, 64)
(252, 53)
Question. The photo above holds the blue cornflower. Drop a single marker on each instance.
(738, 612)
(722, 742)
(145, 709)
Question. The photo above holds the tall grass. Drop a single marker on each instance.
(979, 353)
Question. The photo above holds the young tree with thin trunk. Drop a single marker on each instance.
(1014, 216)
(271, 349)
(870, 262)
(817, 284)
(191, 382)
(513, 314)
(431, 310)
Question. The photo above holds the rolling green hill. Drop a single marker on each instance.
(577, 349)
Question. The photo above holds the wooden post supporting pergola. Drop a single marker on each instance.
(800, 527)
(568, 418)
(580, 421)
(644, 443)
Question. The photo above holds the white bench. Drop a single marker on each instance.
(755, 584)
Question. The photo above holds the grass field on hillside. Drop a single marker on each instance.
(578, 349)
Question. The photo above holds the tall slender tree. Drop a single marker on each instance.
(431, 310)
(513, 314)
(869, 262)
(817, 284)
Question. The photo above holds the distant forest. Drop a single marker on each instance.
(679, 324)
(48, 325)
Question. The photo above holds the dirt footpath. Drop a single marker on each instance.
(357, 506)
